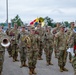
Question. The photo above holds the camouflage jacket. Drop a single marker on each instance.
(14, 35)
(61, 40)
(22, 39)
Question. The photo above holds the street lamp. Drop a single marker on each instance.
(7, 12)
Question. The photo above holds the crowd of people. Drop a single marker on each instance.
(30, 44)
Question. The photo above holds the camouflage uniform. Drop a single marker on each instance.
(68, 33)
(14, 43)
(2, 50)
(74, 64)
(62, 46)
(54, 31)
(40, 42)
(73, 36)
(32, 53)
(22, 37)
(9, 48)
(48, 48)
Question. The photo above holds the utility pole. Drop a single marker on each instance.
(7, 12)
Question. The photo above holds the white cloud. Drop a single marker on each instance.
(58, 10)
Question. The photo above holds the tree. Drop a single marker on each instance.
(66, 24)
(48, 21)
(17, 20)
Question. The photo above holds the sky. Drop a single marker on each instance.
(28, 10)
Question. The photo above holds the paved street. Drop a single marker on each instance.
(13, 68)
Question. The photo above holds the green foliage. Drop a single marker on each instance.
(66, 24)
(2, 24)
(17, 20)
(49, 21)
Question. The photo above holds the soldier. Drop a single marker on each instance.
(22, 37)
(73, 46)
(54, 31)
(61, 41)
(8, 29)
(40, 32)
(14, 42)
(48, 48)
(2, 49)
(32, 52)
(8, 33)
(68, 33)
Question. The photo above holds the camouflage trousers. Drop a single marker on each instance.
(48, 53)
(40, 50)
(9, 50)
(23, 54)
(70, 56)
(74, 64)
(14, 51)
(2, 52)
(32, 58)
(56, 52)
(62, 57)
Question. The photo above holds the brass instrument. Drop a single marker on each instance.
(26, 39)
(5, 42)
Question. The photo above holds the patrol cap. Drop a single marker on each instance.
(32, 28)
(71, 23)
(15, 23)
(23, 26)
(62, 26)
(74, 24)
(58, 23)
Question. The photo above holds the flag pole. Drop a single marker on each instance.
(7, 12)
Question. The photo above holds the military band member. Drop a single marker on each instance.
(2, 49)
(8, 33)
(73, 46)
(32, 52)
(54, 31)
(40, 32)
(22, 37)
(62, 47)
(14, 42)
(68, 33)
(48, 48)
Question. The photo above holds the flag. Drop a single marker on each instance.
(31, 23)
(43, 24)
(34, 21)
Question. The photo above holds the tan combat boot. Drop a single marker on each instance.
(50, 63)
(13, 59)
(64, 69)
(70, 61)
(39, 58)
(30, 71)
(33, 71)
(25, 65)
(61, 69)
(21, 65)
(16, 59)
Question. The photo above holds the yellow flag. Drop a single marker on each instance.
(37, 19)
(43, 24)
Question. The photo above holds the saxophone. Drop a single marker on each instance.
(27, 40)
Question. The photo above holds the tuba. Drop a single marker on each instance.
(5, 42)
